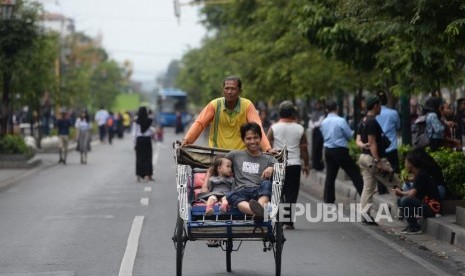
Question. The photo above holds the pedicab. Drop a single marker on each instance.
(232, 227)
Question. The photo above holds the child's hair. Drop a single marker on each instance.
(215, 165)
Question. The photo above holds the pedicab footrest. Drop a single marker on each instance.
(235, 230)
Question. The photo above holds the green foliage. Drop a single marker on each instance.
(402, 151)
(452, 164)
(13, 144)
(302, 49)
(126, 102)
(354, 150)
(260, 42)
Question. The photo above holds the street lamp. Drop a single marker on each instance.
(7, 8)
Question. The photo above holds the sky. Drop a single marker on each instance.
(145, 32)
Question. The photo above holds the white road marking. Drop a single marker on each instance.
(144, 201)
(127, 264)
(78, 217)
(402, 250)
(148, 189)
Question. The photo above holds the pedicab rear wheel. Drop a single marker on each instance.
(278, 247)
(180, 240)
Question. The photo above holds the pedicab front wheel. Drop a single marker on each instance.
(278, 247)
(180, 240)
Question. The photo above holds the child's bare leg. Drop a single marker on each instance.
(209, 208)
(224, 205)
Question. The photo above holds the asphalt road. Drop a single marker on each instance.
(95, 219)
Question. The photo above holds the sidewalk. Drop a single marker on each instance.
(12, 172)
(442, 235)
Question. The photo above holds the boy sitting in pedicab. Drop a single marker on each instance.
(252, 172)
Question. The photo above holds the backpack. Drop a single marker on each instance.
(383, 142)
(110, 122)
(420, 137)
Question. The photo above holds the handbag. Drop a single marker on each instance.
(383, 144)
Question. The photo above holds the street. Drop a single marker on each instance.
(95, 219)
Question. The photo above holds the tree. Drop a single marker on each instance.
(88, 76)
(16, 35)
(260, 42)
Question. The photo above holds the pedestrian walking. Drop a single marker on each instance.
(336, 134)
(83, 127)
(119, 125)
(143, 134)
(179, 124)
(314, 123)
(111, 127)
(126, 122)
(101, 118)
(63, 125)
(288, 133)
(46, 113)
(373, 163)
(389, 121)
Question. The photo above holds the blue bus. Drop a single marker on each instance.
(170, 101)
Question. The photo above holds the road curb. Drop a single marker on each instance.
(440, 228)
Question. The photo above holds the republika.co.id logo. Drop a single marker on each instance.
(326, 212)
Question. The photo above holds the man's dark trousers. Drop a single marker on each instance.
(339, 158)
(291, 188)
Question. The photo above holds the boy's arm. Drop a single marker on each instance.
(267, 173)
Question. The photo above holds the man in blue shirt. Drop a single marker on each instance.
(336, 133)
(389, 121)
